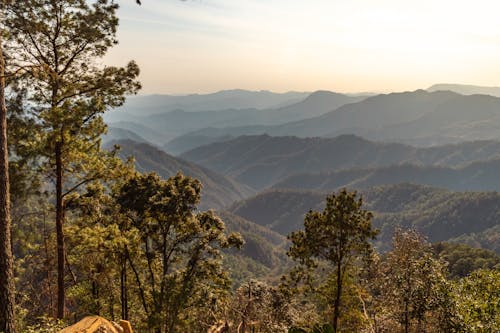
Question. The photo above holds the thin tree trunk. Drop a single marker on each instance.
(139, 284)
(95, 296)
(48, 264)
(7, 297)
(336, 305)
(60, 232)
(407, 321)
(123, 288)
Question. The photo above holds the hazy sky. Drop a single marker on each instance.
(304, 45)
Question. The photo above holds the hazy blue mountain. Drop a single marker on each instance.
(463, 118)
(439, 214)
(314, 105)
(466, 89)
(261, 161)
(477, 176)
(117, 133)
(222, 100)
(149, 134)
(372, 113)
(188, 142)
(169, 125)
(178, 122)
(215, 132)
(419, 118)
(218, 191)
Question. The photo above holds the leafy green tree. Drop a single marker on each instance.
(23, 135)
(318, 328)
(463, 259)
(337, 236)
(181, 261)
(257, 306)
(478, 301)
(58, 43)
(413, 281)
(97, 246)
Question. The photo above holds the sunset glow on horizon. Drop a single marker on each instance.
(285, 45)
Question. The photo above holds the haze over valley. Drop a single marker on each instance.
(250, 166)
(294, 148)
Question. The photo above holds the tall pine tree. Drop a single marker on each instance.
(337, 236)
(58, 44)
(6, 260)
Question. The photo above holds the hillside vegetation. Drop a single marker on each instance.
(218, 192)
(261, 161)
(439, 214)
(477, 176)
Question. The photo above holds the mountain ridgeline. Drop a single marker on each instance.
(439, 214)
(222, 100)
(477, 176)
(415, 157)
(262, 161)
(418, 118)
(465, 89)
(218, 191)
(166, 124)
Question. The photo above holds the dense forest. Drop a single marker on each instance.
(124, 230)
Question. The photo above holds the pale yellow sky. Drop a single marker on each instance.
(305, 45)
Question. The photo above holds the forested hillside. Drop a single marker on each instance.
(261, 161)
(477, 176)
(262, 256)
(116, 134)
(438, 214)
(218, 191)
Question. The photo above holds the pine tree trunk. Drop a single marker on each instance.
(60, 232)
(123, 288)
(336, 306)
(406, 319)
(6, 259)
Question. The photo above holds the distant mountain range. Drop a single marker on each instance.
(439, 214)
(222, 100)
(418, 118)
(471, 217)
(261, 161)
(477, 176)
(263, 253)
(159, 128)
(143, 131)
(406, 152)
(465, 89)
(218, 191)
(117, 133)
